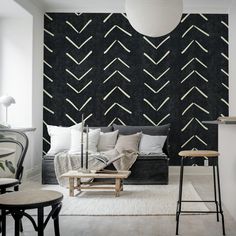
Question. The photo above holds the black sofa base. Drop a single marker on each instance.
(48, 171)
(147, 170)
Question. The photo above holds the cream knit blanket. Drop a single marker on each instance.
(65, 162)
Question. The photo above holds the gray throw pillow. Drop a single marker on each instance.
(107, 141)
(150, 144)
(128, 143)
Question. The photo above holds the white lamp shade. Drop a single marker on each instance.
(6, 101)
(154, 18)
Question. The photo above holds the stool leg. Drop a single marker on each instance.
(219, 193)
(40, 221)
(56, 226)
(215, 194)
(55, 218)
(179, 203)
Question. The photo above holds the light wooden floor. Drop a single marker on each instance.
(200, 225)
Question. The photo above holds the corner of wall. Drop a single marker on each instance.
(232, 61)
(37, 13)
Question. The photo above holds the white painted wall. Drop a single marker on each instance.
(227, 163)
(227, 133)
(21, 72)
(232, 58)
(16, 68)
(36, 85)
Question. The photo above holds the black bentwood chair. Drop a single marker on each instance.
(18, 143)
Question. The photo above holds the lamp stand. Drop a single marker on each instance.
(6, 115)
(6, 118)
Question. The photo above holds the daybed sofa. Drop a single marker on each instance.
(148, 169)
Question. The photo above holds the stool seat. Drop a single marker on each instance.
(198, 153)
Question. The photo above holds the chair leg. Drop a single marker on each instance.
(21, 226)
(3, 222)
(0, 221)
(179, 203)
(17, 227)
(17, 218)
(16, 188)
(3, 190)
(219, 194)
(215, 193)
(40, 221)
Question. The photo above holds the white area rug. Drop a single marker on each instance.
(135, 200)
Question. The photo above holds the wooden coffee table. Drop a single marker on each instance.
(75, 177)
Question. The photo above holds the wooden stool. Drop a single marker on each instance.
(195, 154)
(16, 203)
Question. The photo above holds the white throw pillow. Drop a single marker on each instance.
(93, 137)
(60, 138)
(107, 141)
(151, 144)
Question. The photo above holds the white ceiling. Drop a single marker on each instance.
(9, 8)
(203, 6)
(83, 5)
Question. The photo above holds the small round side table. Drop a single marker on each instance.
(16, 203)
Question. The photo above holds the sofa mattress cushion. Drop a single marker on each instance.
(158, 156)
(104, 129)
(149, 156)
(46, 157)
(150, 130)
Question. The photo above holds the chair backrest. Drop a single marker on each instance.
(21, 140)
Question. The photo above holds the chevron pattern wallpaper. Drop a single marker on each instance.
(97, 64)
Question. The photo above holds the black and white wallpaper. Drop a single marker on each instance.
(97, 64)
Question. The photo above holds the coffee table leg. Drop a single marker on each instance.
(71, 186)
(122, 185)
(40, 221)
(79, 184)
(117, 187)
